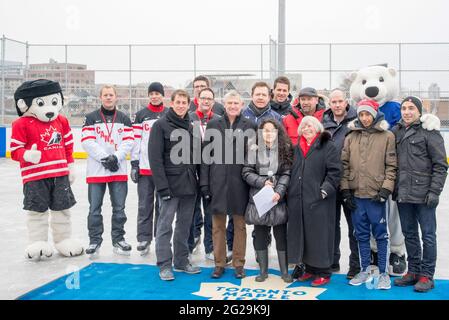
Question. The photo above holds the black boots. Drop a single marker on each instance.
(262, 259)
(283, 266)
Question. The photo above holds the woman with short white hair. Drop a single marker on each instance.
(311, 201)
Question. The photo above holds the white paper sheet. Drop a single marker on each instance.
(264, 200)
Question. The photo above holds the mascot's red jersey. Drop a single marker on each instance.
(55, 141)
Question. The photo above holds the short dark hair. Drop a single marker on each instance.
(283, 80)
(201, 78)
(181, 93)
(260, 84)
(207, 89)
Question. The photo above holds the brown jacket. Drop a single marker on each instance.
(369, 159)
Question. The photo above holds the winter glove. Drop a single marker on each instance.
(432, 200)
(165, 194)
(110, 163)
(135, 171)
(33, 155)
(382, 196)
(205, 192)
(348, 199)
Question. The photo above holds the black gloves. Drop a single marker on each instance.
(348, 199)
(432, 200)
(135, 171)
(110, 163)
(205, 192)
(165, 194)
(382, 196)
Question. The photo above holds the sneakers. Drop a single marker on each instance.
(424, 284)
(166, 274)
(306, 276)
(320, 281)
(397, 265)
(143, 247)
(210, 256)
(384, 282)
(409, 279)
(352, 272)
(94, 248)
(122, 248)
(189, 268)
(218, 272)
(239, 273)
(361, 278)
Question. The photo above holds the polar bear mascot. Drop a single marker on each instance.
(380, 84)
(42, 142)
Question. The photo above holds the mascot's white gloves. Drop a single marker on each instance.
(33, 155)
(72, 175)
(430, 122)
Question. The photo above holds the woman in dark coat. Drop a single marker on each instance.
(273, 155)
(311, 200)
(224, 152)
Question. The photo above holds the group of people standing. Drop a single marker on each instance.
(198, 158)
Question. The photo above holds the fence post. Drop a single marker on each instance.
(66, 72)
(261, 61)
(130, 83)
(27, 60)
(330, 67)
(3, 78)
(400, 68)
(194, 61)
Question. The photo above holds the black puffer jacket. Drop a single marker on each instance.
(256, 175)
(422, 163)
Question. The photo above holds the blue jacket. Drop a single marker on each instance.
(268, 114)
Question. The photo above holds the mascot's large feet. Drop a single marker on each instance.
(69, 248)
(39, 250)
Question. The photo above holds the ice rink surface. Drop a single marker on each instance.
(19, 276)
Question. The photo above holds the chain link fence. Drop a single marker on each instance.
(423, 70)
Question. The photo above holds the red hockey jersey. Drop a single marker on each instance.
(55, 141)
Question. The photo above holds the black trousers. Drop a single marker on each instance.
(262, 233)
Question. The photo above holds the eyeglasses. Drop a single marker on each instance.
(206, 99)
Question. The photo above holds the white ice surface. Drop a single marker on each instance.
(18, 276)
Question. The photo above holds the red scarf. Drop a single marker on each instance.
(154, 108)
(304, 146)
(201, 115)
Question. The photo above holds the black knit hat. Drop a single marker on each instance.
(35, 88)
(156, 86)
(415, 100)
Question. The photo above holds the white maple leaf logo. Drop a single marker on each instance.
(273, 288)
(51, 136)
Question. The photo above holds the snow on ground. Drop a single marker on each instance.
(19, 276)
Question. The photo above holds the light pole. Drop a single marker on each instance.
(281, 38)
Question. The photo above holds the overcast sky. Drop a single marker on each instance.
(230, 21)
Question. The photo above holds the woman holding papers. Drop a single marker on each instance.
(268, 175)
(311, 202)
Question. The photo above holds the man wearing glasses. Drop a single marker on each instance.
(200, 83)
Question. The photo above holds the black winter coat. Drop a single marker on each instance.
(172, 179)
(224, 180)
(422, 163)
(256, 175)
(311, 219)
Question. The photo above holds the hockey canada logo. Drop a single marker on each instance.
(274, 288)
(51, 137)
